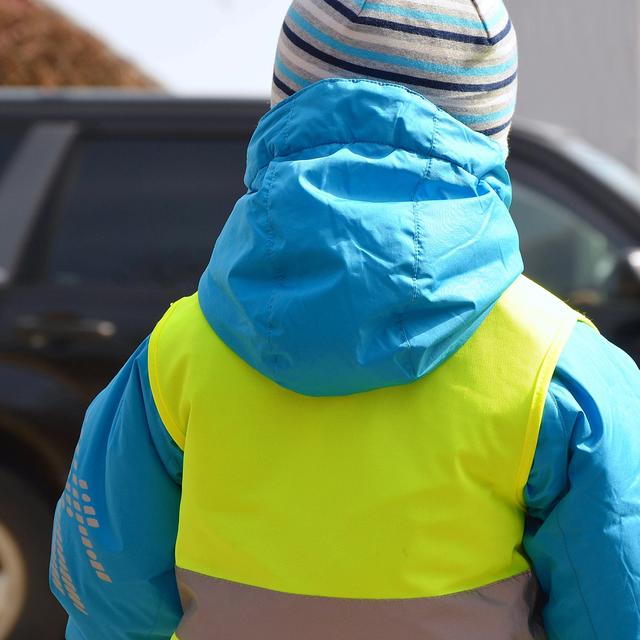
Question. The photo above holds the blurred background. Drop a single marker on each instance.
(578, 63)
(123, 132)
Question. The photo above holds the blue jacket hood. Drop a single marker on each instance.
(373, 240)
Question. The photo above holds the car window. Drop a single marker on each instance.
(143, 210)
(561, 249)
(9, 139)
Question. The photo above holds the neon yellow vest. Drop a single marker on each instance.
(405, 492)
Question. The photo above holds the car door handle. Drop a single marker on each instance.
(40, 331)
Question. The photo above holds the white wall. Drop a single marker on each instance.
(204, 47)
(580, 67)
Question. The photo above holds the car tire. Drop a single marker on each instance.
(28, 610)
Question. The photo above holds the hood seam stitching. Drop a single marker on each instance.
(417, 243)
(278, 275)
(481, 16)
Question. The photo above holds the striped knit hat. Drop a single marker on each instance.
(461, 54)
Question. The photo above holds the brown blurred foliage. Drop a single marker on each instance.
(40, 47)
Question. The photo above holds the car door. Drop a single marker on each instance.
(128, 228)
(575, 246)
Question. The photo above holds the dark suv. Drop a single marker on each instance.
(109, 207)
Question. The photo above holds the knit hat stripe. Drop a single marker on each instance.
(378, 40)
(325, 33)
(414, 27)
(450, 7)
(280, 91)
(291, 68)
(492, 15)
(476, 25)
(344, 62)
(461, 54)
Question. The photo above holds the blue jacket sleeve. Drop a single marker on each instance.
(583, 494)
(112, 561)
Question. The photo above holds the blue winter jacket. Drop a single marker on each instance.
(405, 210)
